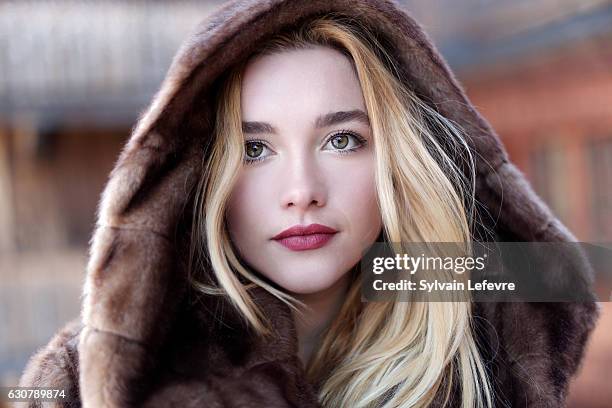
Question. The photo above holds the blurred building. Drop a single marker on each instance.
(548, 92)
(72, 86)
(74, 76)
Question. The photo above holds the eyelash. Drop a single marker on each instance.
(362, 143)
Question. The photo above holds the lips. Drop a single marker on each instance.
(300, 238)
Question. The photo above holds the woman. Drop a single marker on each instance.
(287, 138)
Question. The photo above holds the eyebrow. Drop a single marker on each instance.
(322, 121)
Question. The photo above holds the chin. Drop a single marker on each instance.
(301, 290)
(308, 285)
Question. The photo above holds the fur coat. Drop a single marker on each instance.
(144, 338)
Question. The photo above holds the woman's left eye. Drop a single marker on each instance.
(345, 141)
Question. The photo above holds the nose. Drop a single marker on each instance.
(303, 186)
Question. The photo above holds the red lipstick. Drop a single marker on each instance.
(301, 238)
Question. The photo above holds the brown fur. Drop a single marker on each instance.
(144, 339)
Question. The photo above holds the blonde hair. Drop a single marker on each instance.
(389, 354)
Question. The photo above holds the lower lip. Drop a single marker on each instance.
(305, 242)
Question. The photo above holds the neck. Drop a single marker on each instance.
(322, 308)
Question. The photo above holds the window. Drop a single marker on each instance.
(600, 163)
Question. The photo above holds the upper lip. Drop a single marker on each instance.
(305, 230)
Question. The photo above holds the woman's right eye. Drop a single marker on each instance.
(254, 151)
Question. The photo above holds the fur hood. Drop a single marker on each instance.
(145, 339)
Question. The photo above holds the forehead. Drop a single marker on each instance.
(303, 82)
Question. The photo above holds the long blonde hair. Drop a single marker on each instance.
(388, 354)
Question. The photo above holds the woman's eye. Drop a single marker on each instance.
(254, 151)
(345, 141)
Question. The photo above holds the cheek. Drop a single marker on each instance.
(355, 192)
(246, 200)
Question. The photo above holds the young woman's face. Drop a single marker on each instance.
(308, 160)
